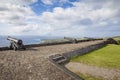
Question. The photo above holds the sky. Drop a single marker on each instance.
(73, 18)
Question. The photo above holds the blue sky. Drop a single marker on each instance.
(40, 6)
(74, 18)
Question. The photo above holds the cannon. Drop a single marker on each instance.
(73, 40)
(16, 44)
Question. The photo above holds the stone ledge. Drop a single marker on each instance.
(49, 44)
(65, 70)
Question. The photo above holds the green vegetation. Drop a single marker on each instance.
(117, 39)
(108, 57)
(88, 77)
(54, 40)
(58, 40)
(63, 40)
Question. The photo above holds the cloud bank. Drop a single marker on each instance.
(83, 18)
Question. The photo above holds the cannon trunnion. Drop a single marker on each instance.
(16, 44)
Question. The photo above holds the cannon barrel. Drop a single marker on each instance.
(14, 40)
(15, 43)
(73, 40)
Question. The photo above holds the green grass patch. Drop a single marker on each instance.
(54, 40)
(107, 57)
(117, 39)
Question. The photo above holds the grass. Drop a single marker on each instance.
(107, 57)
(59, 40)
(117, 39)
(54, 40)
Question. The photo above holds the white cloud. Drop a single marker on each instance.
(48, 2)
(64, 1)
(14, 14)
(82, 15)
(51, 2)
(18, 2)
(72, 21)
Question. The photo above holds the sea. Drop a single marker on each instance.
(26, 40)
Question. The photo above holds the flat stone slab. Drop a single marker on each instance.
(32, 64)
(106, 74)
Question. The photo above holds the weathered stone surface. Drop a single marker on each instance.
(32, 64)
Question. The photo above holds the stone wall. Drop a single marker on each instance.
(85, 50)
(47, 44)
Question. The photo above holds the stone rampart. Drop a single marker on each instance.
(48, 44)
(85, 50)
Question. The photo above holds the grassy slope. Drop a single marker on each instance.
(117, 39)
(108, 56)
(54, 40)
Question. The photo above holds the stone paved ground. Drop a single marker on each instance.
(106, 74)
(32, 64)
